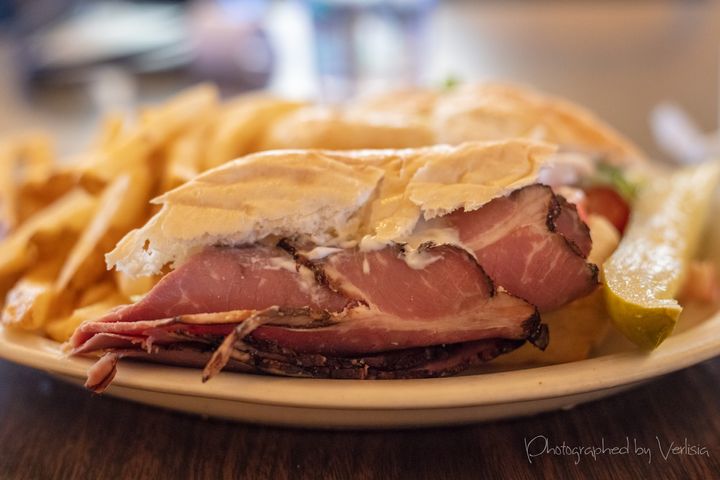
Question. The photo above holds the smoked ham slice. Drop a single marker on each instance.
(451, 300)
(223, 279)
(363, 314)
(533, 244)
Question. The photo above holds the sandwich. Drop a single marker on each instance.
(368, 264)
(419, 233)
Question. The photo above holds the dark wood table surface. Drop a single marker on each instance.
(49, 429)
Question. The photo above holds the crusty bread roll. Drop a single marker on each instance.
(329, 196)
(420, 117)
(491, 111)
(338, 129)
(413, 101)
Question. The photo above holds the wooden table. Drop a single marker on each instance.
(52, 430)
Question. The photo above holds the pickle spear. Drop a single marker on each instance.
(643, 276)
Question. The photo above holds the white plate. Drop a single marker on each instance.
(389, 403)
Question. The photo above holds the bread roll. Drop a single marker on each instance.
(330, 197)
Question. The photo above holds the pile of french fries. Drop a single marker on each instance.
(59, 216)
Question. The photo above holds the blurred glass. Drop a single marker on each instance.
(367, 45)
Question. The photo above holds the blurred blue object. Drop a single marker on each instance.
(7, 11)
(368, 44)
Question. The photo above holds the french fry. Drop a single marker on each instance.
(31, 302)
(130, 151)
(65, 215)
(36, 158)
(574, 330)
(110, 131)
(241, 125)
(157, 127)
(6, 283)
(96, 293)
(62, 329)
(68, 214)
(34, 197)
(184, 159)
(120, 206)
(133, 203)
(189, 108)
(133, 287)
(8, 188)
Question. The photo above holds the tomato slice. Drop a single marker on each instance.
(605, 201)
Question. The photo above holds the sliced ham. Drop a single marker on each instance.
(451, 300)
(568, 224)
(362, 314)
(533, 244)
(221, 279)
(101, 375)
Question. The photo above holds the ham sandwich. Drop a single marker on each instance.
(369, 264)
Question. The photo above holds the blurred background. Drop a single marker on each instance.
(63, 63)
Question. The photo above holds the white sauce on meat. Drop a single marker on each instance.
(370, 243)
(319, 253)
(435, 232)
(283, 263)
(419, 260)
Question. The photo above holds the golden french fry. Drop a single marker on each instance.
(68, 214)
(8, 188)
(574, 330)
(38, 184)
(129, 152)
(56, 220)
(132, 207)
(30, 303)
(27, 304)
(160, 124)
(120, 206)
(110, 130)
(184, 158)
(135, 286)
(35, 151)
(96, 293)
(34, 197)
(157, 126)
(241, 124)
(6, 283)
(605, 239)
(62, 329)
